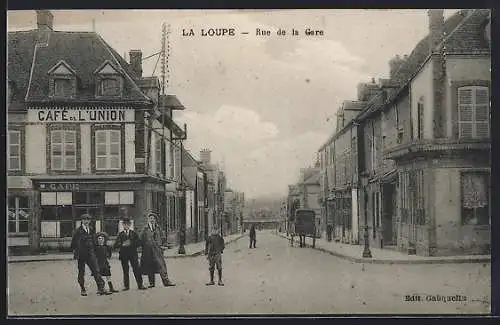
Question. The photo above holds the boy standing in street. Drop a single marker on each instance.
(214, 247)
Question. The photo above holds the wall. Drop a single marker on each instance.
(463, 69)
(421, 89)
(452, 236)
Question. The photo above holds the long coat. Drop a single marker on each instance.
(83, 244)
(152, 259)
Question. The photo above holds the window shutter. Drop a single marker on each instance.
(465, 110)
(482, 113)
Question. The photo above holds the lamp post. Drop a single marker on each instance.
(366, 251)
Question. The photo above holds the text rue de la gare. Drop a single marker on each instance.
(230, 32)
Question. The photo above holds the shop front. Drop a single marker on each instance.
(59, 204)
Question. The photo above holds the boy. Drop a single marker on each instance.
(214, 246)
(83, 245)
(128, 241)
(103, 253)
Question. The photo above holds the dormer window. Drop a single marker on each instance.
(109, 82)
(109, 87)
(62, 81)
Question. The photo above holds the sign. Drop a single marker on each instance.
(80, 115)
(60, 187)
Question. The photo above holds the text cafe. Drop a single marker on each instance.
(60, 205)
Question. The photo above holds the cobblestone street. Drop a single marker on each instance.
(274, 278)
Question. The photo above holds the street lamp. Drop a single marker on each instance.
(366, 251)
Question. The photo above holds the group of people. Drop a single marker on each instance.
(91, 249)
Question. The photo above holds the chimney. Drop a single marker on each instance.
(436, 28)
(44, 20)
(135, 57)
(205, 156)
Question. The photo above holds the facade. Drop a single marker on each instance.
(423, 139)
(234, 203)
(86, 134)
(210, 173)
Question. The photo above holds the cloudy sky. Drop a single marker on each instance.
(262, 104)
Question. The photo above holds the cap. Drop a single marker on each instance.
(102, 234)
(86, 216)
(126, 220)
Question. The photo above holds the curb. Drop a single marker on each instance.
(70, 258)
(390, 262)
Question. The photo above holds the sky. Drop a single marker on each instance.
(263, 104)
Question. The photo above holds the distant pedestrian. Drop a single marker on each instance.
(329, 230)
(152, 259)
(128, 241)
(253, 237)
(214, 247)
(83, 246)
(103, 253)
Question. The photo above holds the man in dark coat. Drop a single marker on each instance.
(83, 246)
(128, 241)
(253, 237)
(152, 259)
(214, 247)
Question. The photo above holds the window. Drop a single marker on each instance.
(420, 120)
(109, 87)
(14, 152)
(56, 214)
(473, 112)
(475, 198)
(412, 197)
(19, 212)
(108, 149)
(63, 87)
(63, 150)
(160, 155)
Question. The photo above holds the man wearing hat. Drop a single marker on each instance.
(128, 241)
(83, 246)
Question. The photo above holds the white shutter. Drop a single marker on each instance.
(465, 113)
(482, 112)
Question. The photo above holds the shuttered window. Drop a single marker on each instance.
(63, 150)
(107, 149)
(473, 112)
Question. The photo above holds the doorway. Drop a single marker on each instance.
(389, 214)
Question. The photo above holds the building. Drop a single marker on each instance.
(339, 173)
(194, 179)
(423, 141)
(234, 203)
(86, 134)
(210, 173)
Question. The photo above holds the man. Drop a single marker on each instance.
(214, 247)
(152, 259)
(253, 237)
(83, 246)
(128, 241)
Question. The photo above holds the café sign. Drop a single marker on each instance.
(79, 115)
(59, 187)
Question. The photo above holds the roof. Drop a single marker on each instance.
(313, 179)
(172, 102)
(464, 30)
(84, 52)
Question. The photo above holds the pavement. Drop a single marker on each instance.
(271, 279)
(384, 256)
(193, 249)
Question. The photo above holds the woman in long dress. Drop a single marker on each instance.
(152, 259)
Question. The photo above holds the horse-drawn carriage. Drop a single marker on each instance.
(303, 224)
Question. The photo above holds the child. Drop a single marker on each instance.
(103, 253)
(214, 246)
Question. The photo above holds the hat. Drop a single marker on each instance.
(102, 234)
(85, 216)
(126, 220)
(152, 214)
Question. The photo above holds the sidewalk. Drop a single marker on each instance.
(354, 253)
(192, 250)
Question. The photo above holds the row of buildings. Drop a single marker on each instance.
(408, 166)
(88, 133)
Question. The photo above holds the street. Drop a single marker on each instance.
(274, 278)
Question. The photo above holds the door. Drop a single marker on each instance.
(388, 213)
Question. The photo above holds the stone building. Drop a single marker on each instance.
(87, 133)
